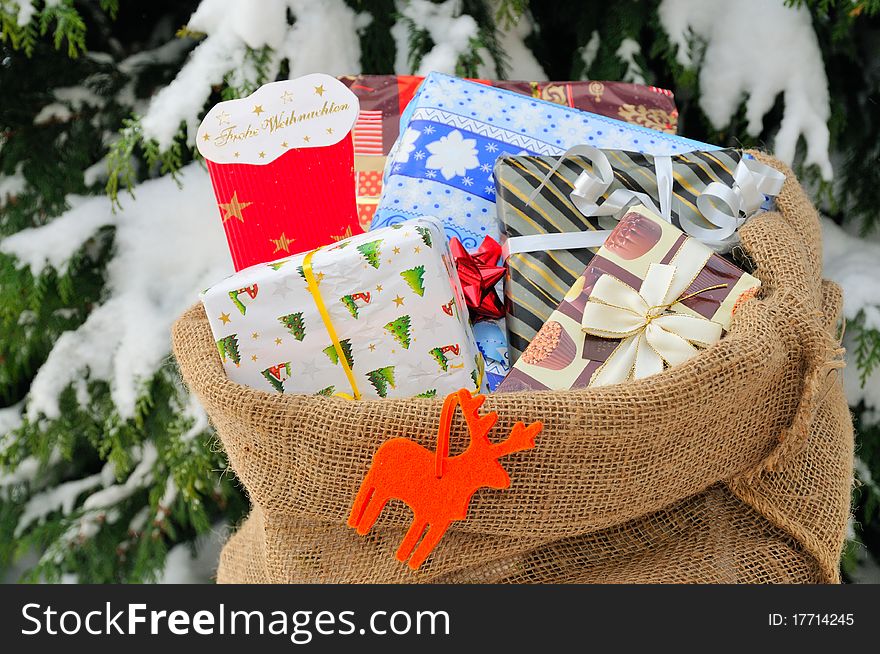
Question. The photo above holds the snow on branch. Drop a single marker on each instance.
(12, 185)
(851, 262)
(55, 243)
(756, 50)
(125, 340)
(451, 32)
(28, 470)
(323, 38)
(627, 53)
(140, 477)
(59, 498)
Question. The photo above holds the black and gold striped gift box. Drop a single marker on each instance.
(537, 281)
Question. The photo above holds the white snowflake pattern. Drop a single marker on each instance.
(486, 168)
(452, 154)
(470, 213)
(418, 156)
(407, 144)
(491, 147)
(580, 127)
(430, 174)
(467, 181)
(616, 139)
(525, 116)
(396, 167)
(491, 104)
(429, 129)
(489, 190)
(411, 196)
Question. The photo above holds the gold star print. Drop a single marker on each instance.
(258, 109)
(306, 139)
(398, 301)
(372, 347)
(417, 249)
(319, 90)
(282, 243)
(235, 154)
(255, 335)
(286, 97)
(223, 118)
(283, 144)
(277, 341)
(254, 357)
(224, 318)
(329, 130)
(379, 288)
(262, 155)
(319, 277)
(389, 260)
(396, 250)
(233, 208)
(206, 136)
(343, 235)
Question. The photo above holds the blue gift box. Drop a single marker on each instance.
(452, 132)
(491, 336)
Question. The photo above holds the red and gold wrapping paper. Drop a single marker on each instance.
(282, 166)
(298, 202)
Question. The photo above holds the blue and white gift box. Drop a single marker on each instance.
(452, 132)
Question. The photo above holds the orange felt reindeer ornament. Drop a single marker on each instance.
(437, 487)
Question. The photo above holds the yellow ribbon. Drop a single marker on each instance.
(312, 283)
(481, 372)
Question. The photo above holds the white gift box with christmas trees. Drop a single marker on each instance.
(376, 315)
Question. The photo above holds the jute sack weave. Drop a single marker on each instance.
(733, 467)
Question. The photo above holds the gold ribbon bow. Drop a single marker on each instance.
(652, 335)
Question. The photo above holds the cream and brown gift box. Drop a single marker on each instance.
(649, 299)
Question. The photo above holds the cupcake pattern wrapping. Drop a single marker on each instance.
(561, 356)
(537, 280)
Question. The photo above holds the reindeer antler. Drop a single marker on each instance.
(521, 438)
(478, 426)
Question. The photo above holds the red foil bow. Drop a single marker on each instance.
(479, 274)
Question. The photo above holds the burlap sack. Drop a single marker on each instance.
(734, 467)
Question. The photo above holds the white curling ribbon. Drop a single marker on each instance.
(652, 336)
(590, 186)
(753, 182)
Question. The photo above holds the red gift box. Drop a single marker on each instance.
(282, 166)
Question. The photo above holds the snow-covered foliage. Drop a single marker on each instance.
(757, 49)
(323, 38)
(451, 32)
(164, 227)
(854, 263)
(168, 243)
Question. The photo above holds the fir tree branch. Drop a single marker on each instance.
(509, 12)
(867, 350)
